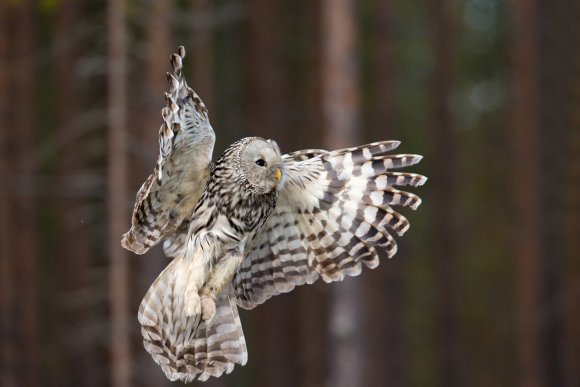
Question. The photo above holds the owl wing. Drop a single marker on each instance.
(186, 141)
(335, 208)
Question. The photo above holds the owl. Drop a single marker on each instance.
(251, 225)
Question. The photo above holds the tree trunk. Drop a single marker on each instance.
(266, 111)
(23, 210)
(340, 114)
(570, 229)
(266, 78)
(559, 99)
(384, 71)
(75, 251)
(312, 300)
(528, 246)
(569, 193)
(386, 311)
(156, 65)
(202, 57)
(117, 195)
(7, 273)
(443, 181)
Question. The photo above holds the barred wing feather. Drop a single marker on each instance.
(334, 210)
(186, 141)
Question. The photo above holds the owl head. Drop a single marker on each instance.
(261, 164)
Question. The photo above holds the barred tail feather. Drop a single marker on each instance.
(184, 346)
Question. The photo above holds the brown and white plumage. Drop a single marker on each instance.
(334, 210)
(184, 346)
(189, 323)
(261, 224)
(186, 141)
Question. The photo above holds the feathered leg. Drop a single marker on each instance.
(220, 275)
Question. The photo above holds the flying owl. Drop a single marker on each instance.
(251, 225)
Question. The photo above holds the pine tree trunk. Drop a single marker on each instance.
(528, 246)
(117, 195)
(569, 193)
(157, 64)
(443, 183)
(23, 206)
(340, 114)
(312, 300)
(386, 311)
(266, 112)
(7, 273)
(75, 249)
(147, 112)
(202, 58)
(570, 229)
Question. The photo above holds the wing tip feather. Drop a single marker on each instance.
(129, 242)
(416, 204)
(421, 180)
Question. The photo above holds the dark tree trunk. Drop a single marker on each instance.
(117, 195)
(158, 49)
(559, 98)
(569, 193)
(528, 246)
(312, 300)
(7, 273)
(570, 227)
(266, 111)
(443, 183)
(386, 311)
(384, 71)
(75, 251)
(202, 57)
(20, 140)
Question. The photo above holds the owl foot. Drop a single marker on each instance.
(193, 304)
(207, 308)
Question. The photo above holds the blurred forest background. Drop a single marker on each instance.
(485, 289)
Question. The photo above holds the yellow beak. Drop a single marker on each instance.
(278, 174)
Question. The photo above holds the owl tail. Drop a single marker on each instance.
(185, 347)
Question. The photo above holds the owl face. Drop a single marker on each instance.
(261, 164)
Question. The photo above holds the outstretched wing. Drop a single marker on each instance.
(334, 209)
(186, 141)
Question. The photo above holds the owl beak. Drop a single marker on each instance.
(278, 177)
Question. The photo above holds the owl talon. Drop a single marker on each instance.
(193, 306)
(208, 308)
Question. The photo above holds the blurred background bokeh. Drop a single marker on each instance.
(485, 289)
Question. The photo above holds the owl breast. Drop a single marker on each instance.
(249, 212)
(255, 214)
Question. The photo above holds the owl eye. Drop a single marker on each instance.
(260, 162)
